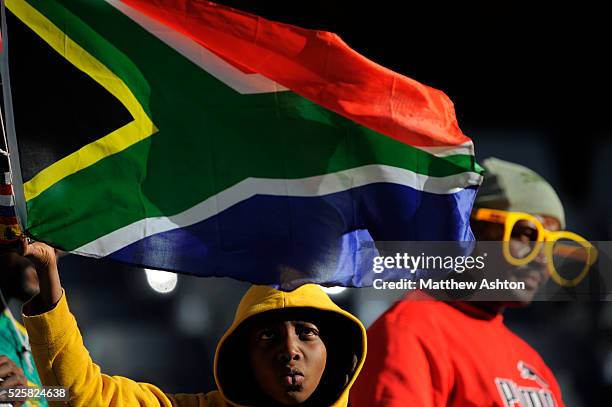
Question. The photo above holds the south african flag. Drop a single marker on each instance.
(188, 136)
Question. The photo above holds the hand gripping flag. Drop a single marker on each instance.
(218, 143)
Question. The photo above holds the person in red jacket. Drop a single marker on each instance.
(433, 353)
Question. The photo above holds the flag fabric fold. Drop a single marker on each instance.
(238, 146)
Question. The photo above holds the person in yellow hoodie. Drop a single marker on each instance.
(283, 349)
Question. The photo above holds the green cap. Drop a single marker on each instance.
(513, 187)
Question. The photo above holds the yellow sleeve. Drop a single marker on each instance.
(63, 360)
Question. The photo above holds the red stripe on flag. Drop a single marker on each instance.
(6, 189)
(8, 220)
(319, 66)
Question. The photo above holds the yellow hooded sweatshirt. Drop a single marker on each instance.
(62, 359)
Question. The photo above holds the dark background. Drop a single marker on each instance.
(529, 85)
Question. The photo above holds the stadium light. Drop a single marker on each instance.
(333, 290)
(162, 282)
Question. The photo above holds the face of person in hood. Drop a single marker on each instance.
(287, 356)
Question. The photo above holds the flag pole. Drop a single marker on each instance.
(8, 125)
(4, 150)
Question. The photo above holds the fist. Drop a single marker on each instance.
(11, 376)
(42, 255)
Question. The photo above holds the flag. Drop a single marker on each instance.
(233, 145)
(10, 232)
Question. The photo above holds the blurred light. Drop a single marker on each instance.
(161, 281)
(193, 315)
(333, 290)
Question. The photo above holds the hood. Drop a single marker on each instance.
(345, 341)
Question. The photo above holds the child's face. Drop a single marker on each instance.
(287, 358)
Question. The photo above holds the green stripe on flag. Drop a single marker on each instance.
(64, 214)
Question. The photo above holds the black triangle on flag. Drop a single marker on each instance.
(57, 107)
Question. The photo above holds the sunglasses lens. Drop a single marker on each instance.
(524, 230)
(570, 258)
(523, 239)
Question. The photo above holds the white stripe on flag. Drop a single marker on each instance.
(7, 200)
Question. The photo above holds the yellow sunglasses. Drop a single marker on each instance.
(552, 247)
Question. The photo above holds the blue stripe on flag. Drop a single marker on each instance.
(289, 241)
(7, 211)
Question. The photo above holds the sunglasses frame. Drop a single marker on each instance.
(545, 238)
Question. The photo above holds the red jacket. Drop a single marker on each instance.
(431, 353)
